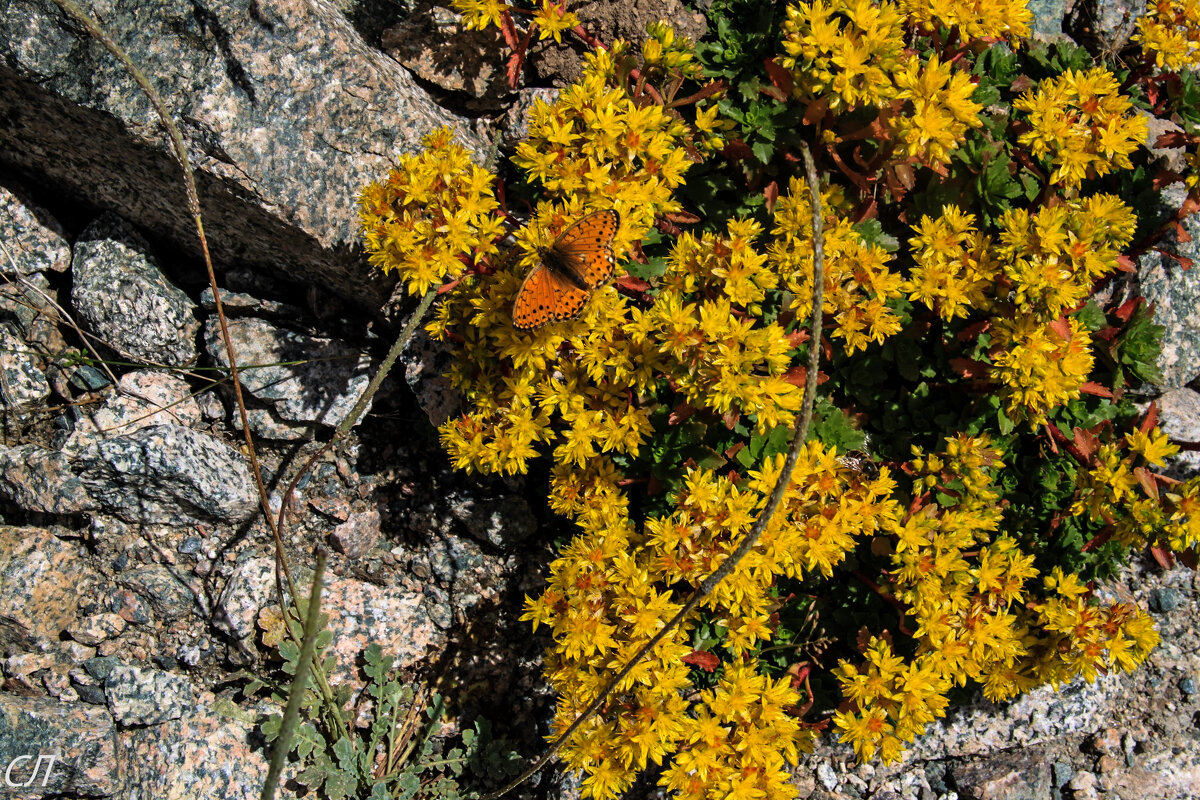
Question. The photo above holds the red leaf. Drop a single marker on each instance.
(1146, 478)
(1061, 328)
(632, 284)
(682, 217)
(1126, 264)
(1095, 389)
(772, 194)
(973, 330)
(732, 452)
(736, 150)
(1163, 556)
(969, 367)
(1151, 418)
(702, 659)
(1126, 309)
(1172, 139)
(781, 80)
(680, 413)
(796, 376)
(1086, 443)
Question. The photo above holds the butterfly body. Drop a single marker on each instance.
(578, 262)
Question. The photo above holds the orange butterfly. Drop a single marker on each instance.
(579, 262)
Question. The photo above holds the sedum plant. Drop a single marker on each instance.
(983, 197)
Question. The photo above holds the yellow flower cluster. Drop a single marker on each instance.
(573, 385)
(597, 145)
(974, 19)
(550, 19)
(967, 593)
(740, 741)
(1080, 121)
(1054, 256)
(1122, 492)
(610, 592)
(939, 109)
(714, 349)
(1170, 29)
(1041, 365)
(892, 701)
(962, 583)
(602, 604)
(1079, 638)
(480, 14)
(858, 284)
(955, 269)
(843, 51)
(433, 213)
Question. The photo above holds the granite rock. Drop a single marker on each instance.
(286, 113)
(142, 399)
(22, 381)
(167, 474)
(165, 589)
(96, 628)
(122, 296)
(321, 388)
(33, 239)
(81, 737)
(204, 753)
(433, 44)
(1179, 418)
(41, 480)
(249, 588)
(146, 696)
(1175, 294)
(426, 362)
(43, 582)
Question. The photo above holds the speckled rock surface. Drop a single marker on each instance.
(194, 757)
(142, 399)
(425, 363)
(123, 297)
(82, 736)
(146, 696)
(1174, 292)
(362, 613)
(43, 581)
(1103, 24)
(249, 588)
(33, 239)
(41, 480)
(322, 388)
(22, 381)
(167, 474)
(1179, 417)
(434, 46)
(286, 112)
(500, 521)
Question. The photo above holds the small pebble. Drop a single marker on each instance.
(1165, 599)
(827, 776)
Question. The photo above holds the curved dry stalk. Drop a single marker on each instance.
(773, 501)
(351, 419)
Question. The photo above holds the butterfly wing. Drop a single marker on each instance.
(585, 248)
(544, 297)
(579, 261)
